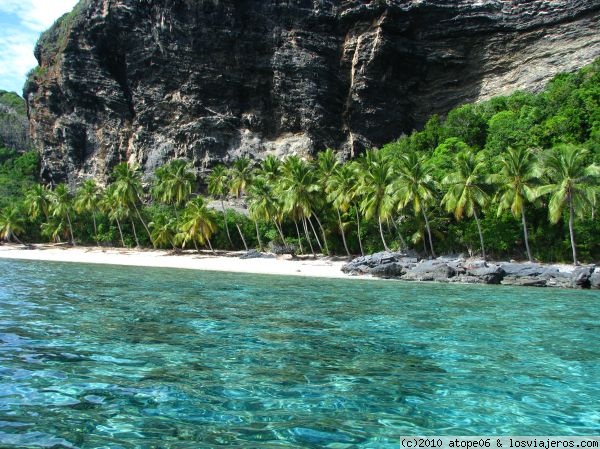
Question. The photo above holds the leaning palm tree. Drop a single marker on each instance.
(11, 223)
(466, 189)
(37, 201)
(375, 187)
(340, 192)
(296, 187)
(265, 205)
(114, 209)
(175, 182)
(415, 186)
(128, 189)
(572, 185)
(87, 199)
(61, 206)
(240, 176)
(164, 230)
(516, 184)
(218, 187)
(197, 224)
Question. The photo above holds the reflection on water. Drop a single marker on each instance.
(114, 357)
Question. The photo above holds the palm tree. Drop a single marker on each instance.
(516, 184)
(415, 185)
(37, 201)
(241, 176)
(572, 184)
(297, 187)
(11, 223)
(128, 188)
(270, 168)
(218, 186)
(340, 192)
(87, 199)
(265, 205)
(114, 208)
(61, 206)
(174, 182)
(240, 179)
(164, 230)
(375, 187)
(466, 188)
(197, 223)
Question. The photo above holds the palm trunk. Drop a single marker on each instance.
(71, 229)
(362, 253)
(323, 233)
(260, 246)
(242, 236)
(526, 235)
(342, 231)
(404, 246)
(428, 232)
(120, 233)
(299, 238)
(572, 232)
(280, 230)
(315, 234)
(95, 229)
(381, 234)
(226, 225)
(137, 242)
(210, 245)
(308, 237)
(142, 220)
(480, 233)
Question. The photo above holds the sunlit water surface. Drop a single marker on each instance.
(115, 357)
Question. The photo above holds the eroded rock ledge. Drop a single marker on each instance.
(458, 269)
(150, 80)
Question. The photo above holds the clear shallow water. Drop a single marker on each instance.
(115, 357)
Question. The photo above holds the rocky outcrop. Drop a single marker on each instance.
(13, 122)
(149, 80)
(458, 269)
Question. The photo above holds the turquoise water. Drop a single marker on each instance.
(114, 357)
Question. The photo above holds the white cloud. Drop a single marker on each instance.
(22, 22)
(37, 15)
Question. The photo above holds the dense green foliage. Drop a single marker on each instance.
(13, 122)
(514, 176)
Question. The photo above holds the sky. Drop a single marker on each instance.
(21, 22)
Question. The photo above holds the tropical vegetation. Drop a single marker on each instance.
(515, 176)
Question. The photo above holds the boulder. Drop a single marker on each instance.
(595, 278)
(430, 270)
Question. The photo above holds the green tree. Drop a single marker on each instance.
(341, 193)
(572, 185)
(240, 176)
(297, 187)
(375, 181)
(61, 206)
(174, 183)
(197, 224)
(164, 230)
(218, 187)
(87, 199)
(516, 183)
(466, 188)
(11, 223)
(265, 205)
(114, 208)
(128, 190)
(416, 186)
(37, 201)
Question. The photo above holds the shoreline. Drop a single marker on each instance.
(322, 267)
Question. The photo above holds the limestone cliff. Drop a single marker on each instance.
(149, 80)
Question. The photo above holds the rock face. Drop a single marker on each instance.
(149, 80)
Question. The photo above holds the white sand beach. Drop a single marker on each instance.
(231, 262)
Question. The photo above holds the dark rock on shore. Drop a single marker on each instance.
(461, 270)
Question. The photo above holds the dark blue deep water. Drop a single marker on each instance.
(114, 357)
